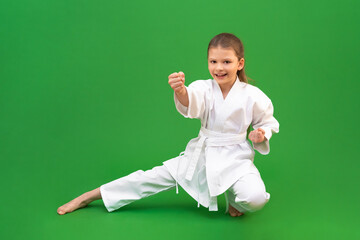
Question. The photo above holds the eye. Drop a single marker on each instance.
(212, 61)
(227, 61)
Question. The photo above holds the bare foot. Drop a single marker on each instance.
(80, 202)
(72, 205)
(234, 212)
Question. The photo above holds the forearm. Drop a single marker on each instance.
(183, 97)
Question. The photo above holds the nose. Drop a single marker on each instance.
(219, 67)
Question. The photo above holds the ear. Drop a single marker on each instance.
(241, 64)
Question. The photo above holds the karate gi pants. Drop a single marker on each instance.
(248, 194)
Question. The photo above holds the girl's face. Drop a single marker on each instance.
(223, 65)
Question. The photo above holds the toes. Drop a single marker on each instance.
(234, 212)
(61, 212)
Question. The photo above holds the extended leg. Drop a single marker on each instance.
(124, 190)
(137, 185)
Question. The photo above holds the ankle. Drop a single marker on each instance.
(89, 197)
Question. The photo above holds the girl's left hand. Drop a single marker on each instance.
(257, 136)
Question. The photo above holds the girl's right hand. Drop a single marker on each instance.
(177, 83)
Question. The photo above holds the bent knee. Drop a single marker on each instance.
(255, 201)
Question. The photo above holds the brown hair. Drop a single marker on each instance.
(228, 40)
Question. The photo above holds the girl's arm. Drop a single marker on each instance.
(189, 101)
(177, 83)
(264, 124)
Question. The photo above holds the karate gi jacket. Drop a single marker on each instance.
(221, 154)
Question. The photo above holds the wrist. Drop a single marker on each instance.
(181, 93)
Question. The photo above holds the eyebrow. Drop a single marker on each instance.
(223, 59)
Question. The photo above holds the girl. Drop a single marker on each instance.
(220, 159)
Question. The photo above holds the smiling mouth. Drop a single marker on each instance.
(218, 75)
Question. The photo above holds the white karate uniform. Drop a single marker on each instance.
(219, 159)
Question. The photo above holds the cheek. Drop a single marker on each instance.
(233, 68)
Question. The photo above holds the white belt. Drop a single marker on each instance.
(212, 139)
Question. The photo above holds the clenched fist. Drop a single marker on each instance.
(257, 136)
(177, 83)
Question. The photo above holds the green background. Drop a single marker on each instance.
(84, 100)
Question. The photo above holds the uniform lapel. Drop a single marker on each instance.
(224, 107)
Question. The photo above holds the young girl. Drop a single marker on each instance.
(220, 159)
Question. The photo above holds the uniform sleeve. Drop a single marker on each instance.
(196, 92)
(263, 118)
